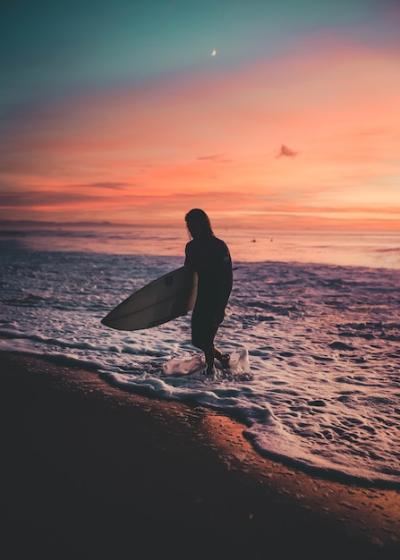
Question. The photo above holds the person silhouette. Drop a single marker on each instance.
(210, 258)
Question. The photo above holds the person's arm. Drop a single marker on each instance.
(189, 257)
(225, 282)
(227, 276)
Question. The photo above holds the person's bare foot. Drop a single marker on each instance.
(224, 360)
(211, 372)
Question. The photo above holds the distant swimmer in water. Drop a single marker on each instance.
(210, 258)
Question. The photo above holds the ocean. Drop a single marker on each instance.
(318, 312)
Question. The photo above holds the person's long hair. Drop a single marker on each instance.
(198, 223)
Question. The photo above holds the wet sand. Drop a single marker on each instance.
(88, 470)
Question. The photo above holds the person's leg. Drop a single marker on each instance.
(209, 356)
(202, 338)
(204, 329)
(209, 350)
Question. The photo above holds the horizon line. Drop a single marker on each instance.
(387, 225)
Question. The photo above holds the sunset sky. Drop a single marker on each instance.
(261, 112)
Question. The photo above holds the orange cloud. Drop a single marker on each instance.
(114, 153)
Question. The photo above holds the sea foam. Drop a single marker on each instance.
(323, 342)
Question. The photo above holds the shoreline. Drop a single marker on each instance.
(129, 466)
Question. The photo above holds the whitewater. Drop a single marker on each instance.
(323, 390)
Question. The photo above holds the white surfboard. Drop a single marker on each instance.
(164, 299)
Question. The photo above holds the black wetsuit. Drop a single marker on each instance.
(210, 258)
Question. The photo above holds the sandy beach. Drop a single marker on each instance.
(89, 469)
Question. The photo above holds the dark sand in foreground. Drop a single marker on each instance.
(88, 470)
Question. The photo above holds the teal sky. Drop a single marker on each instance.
(118, 110)
(51, 48)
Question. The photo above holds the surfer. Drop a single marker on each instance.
(210, 258)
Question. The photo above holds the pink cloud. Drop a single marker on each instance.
(337, 101)
(286, 152)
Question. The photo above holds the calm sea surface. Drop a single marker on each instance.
(378, 250)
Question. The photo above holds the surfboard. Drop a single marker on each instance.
(164, 299)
